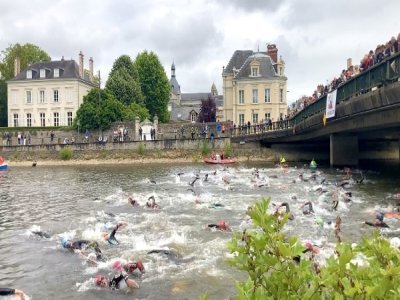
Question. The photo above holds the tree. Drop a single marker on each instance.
(99, 112)
(3, 103)
(154, 84)
(123, 82)
(208, 110)
(269, 258)
(27, 53)
(135, 110)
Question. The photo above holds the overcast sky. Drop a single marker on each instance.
(314, 37)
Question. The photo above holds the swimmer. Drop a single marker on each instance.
(82, 245)
(152, 181)
(132, 201)
(194, 180)
(222, 225)
(206, 177)
(12, 292)
(378, 220)
(285, 204)
(110, 238)
(41, 234)
(152, 203)
(129, 267)
(308, 208)
(309, 247)
(114, 283)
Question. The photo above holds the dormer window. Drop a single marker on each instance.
(29, 74)
(56, 73)
(254, 71)
(255, 68)
(42, 73)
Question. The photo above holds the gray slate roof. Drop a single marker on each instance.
(194, 96)
(175, 87)
(267, 70)
(68, 69)
(182, 113)
(237, 60)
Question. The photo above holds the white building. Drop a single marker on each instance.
(47, 93)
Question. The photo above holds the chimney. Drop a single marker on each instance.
(17, 66)
(62, 58)
(272, 52)
(80, 64)
(91, 68)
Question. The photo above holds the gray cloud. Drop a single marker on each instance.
(253, 5)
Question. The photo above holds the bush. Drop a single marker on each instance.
(228, 151)
(205, 149)
(141, 148)
(267, 255)
(66, 153)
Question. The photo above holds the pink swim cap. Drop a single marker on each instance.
(117, 265)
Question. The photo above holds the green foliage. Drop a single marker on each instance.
(154, 84)
(66, 153)
(134, 110)
(123, 81)
(266, 254)
(98, 112)
(3, 104)
(205, 148)
(228, 150)
(141, 148)
(27, 53)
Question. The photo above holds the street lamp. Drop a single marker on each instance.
(79, 124)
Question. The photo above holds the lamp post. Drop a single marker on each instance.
(79, 124)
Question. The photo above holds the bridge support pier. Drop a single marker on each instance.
(343, 150)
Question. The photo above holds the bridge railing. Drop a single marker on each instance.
(380, 74)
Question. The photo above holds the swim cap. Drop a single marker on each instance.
(98, 279)
(64, 243)
(308, 245)
(222, 225)
(117, 265)
(380, 215)
(140, 266)
(319, 221)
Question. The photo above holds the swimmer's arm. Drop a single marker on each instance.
(130, 282)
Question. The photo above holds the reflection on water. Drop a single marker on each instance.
(81, 202)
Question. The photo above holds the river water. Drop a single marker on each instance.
(78, 202)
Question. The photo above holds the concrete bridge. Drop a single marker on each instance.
(366, 123)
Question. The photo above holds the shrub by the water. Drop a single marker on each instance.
(267, 255)
(205, 148)
(66, 153)
(227, 149)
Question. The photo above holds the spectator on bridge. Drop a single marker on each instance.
(140, 133)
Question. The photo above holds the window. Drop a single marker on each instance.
(193, 117)
(55, 95)
(255, 96)
(69, 118)
(254, 71)
(29, 120)
(56, 73)
(241, 96)
(42, 96)
(15, 119)
(29, 74)
(43, 119)
(241, 119)
(267, 97)
(56, 119)
(255, 118)
(14, 97)
(281, 95)
(267, 116)
(68, 94)
(42, 73)
(28, 97)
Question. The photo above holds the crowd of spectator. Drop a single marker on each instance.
(370, 59)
